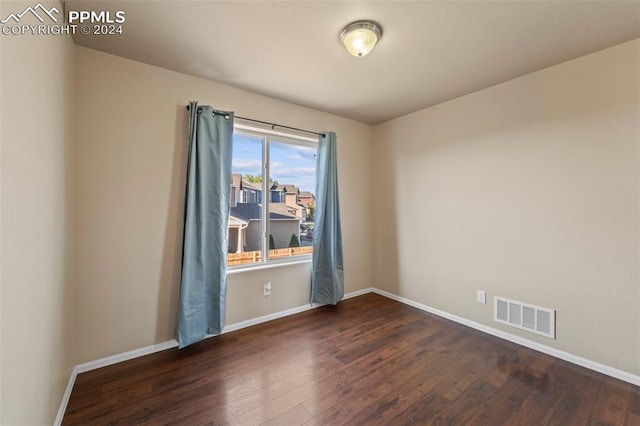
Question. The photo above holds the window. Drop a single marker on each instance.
(272, 197)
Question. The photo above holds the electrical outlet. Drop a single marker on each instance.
(267, 288)
(481, 296)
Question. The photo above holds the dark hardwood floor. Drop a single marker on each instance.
(370, 360)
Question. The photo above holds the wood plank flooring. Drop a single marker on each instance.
(370, 360)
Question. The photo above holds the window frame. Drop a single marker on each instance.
(267, 136)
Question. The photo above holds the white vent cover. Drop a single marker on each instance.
(524, 316)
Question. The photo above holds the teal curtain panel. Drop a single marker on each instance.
(203, 288)
(327, 271)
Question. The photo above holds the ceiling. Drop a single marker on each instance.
(430, 52)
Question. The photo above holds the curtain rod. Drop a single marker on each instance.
(273, 124)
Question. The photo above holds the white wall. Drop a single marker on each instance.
(131, 157)
(528, 190)
(36, 234)
(282, 230)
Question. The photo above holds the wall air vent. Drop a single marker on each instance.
(524, 316)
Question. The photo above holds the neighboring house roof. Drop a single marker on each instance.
(283, 208)
(286, 188)
(251, 185)
(236, 222)
(253, 211)
(306, 198)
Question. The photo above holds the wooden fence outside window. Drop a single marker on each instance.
(234, 259)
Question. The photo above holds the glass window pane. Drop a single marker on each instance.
(246, 236)
(292, 173)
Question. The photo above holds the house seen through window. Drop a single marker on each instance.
(272, 198)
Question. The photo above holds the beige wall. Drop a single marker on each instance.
(528, 190)
(37, 300)
(289, 288)
(131, 156)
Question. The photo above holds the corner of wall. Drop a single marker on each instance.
(37, 328)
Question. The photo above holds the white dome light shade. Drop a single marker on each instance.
(360, 37)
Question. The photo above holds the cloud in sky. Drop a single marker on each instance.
(247, 166)
(289, 163)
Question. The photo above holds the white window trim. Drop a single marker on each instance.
(231, 270)
(270, 132)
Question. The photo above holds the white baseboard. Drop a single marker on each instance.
(147, 350)
(566, 356)
(286, 313)
(65, 397)
(359, 293)
(125, 356)
(103, 362)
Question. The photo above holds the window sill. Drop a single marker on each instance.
(267, 266)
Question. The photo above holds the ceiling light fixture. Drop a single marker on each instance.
(359, 37)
